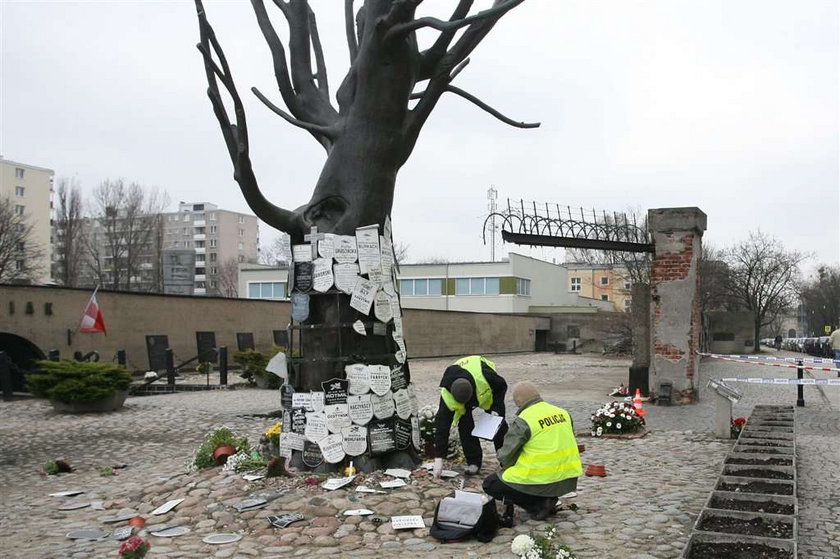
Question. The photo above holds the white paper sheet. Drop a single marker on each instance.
(392, 484)
(486, 425)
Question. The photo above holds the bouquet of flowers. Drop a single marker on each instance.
(736, 427)
(427, 435)
(273, 432)
(543, 546)
(616, 418)
(134, 548)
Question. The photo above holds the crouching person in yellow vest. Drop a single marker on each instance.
(469, 383)
(539, 458)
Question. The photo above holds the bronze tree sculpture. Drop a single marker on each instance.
(368, 137)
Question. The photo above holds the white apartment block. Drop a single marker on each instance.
(30, 190)
(221, 240)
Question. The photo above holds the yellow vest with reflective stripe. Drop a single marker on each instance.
(551, 454)
(484, 394)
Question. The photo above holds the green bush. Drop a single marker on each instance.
(252, 364)
(77, 381)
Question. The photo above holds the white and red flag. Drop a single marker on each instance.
(92, 320)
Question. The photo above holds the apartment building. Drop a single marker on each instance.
(30, 190)
(604, 282)
(220, 239)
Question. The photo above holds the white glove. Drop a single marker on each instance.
(436, 471)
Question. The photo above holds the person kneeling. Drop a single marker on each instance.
(539, 457)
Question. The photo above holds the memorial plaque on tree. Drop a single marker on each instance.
(380, 379)
(335, 391)
(344, 250)
(402, 403)
(332, 449)
(363, 294)
(322, 275)
(361, 409)
(302, 253)
(402, 433)
(382, 437)
(300, 306)
(316, 426)
(415, 433)
(287, 421)
(412, 397)
(311, 455)
(398, 380)
(382, 306)
(346, 276)
(358, 377)
(354, 440)
(303, 276)
(326, 247)
(287, 396)
(338, 416)
(298, 420)
(383, 406)
(367, 243)
(301, 400)
(295, 441)
(317, 401)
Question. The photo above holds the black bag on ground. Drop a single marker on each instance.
(455, 521)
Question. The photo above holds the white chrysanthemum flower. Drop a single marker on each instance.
(609, 423)
(618, 425)
(533, 554)
(521, 545)
(599, 431)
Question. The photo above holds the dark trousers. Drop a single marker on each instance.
(471, 444)
(495, 487)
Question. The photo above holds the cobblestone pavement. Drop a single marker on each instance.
(645, 507)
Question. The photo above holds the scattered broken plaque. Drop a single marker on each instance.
(170, 531)
(311, 455)
(381, 435)
(402, 430)
(359, 327)
(361, 409)
(71, 493)
(217, 539)
(122, 533)
(344, 250)
(87, 535)
(346, 276)
(415, 432)
(398, 472)
(167, 506)
(412, 398)
(283, 520)
(392, 483)
(317, 402)
(358, 512)
(365, 489)
(322, 274)
(250, 504)
(252, 477)
(335, 391)
(74, 506)
(118, 518)
(337, 482)
(301, 400)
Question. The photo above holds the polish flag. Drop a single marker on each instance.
(92, 320)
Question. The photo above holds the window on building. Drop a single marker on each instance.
(19, 265)
(212, 257)
(19, 209)
(199, 258)
(199, 244)
(421, 287)
(214, 283)
(212, 229)
(628, 304)
(241, 246)
(199, 230)
(241, 219)
(19, 190)
(18, 173)
(200, 271)
(186, 218)
(576, 284)
(241, 232)
(266, 290)
(19, 246)
(201, 285)
(477, 286)
(213, 270)
(605, 280)
(605, 297)
(211, 216)
(198, 207)
(212, 243)
(628, 284)
(523, 286)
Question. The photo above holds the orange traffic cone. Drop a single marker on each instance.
(637, 403)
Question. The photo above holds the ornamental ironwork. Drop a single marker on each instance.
(542, 224)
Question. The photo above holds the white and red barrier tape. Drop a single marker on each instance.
(784, 366)
(785, 381)
(770, 358)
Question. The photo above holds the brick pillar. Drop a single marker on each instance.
(675, 308)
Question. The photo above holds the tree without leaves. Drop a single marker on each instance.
(762, 278)
(69, 229)
(19, 252)
(229, 278)
(821, 299)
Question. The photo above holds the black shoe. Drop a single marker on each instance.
(506, 521)
(546, 510)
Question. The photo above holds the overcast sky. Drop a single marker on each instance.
(730, 106)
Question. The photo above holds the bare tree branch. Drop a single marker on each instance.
(403, 29)
(350, 30)
(327, 132)
(320, 65)
(278, 56)
(481, 104)
(433, 55)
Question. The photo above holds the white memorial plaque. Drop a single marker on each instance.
(337, 482)
(326, 246)
(367, 243)
(338, 416)
(344, 249)
(365, 489)
(412, 396)
(359, 378)
(400, 356)
(382, 306)
(285, 444)
(332, 449)
(407, 522)
(346, 276)
(386, 256)
(386, 228)
(296, 441)
(359, 327)
(322, 275)
(316, 403)
(400, 343)
(398, 327)
(167, 506)
(398, 472)
(415, 433)
(316, 426)
(361, 409)
(380, 379)
(354, 439)
(358, 512)
(301, 399)
(302, 253)
(383, 406)
(402, 403)
(392, 483)
(363, 295)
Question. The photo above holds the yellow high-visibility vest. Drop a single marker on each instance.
(551, 454)
(484, 394)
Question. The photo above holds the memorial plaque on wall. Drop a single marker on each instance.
(286, 395)
(338, 417)
(335, 391)
(303, 276)
(402, 433)
(312, 456)
(316, 426)
(300, 306)
(322, 275)
(398, 381)
(244, 340)
(332, 449)
(354, 440)
(361, 409)
(415, 433)
(206, 344)
(281, 338)
(402, 403)
(381, 435)
(298, 420)
(383, 406)
(156, 349)
(358, 377)
(380, 379)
